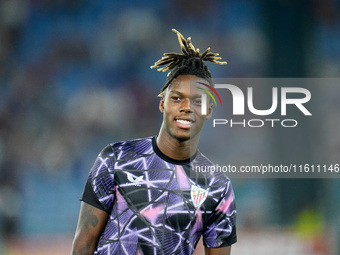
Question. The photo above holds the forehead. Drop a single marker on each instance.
(188, 84)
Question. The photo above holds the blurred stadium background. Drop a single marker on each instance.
(74, 76)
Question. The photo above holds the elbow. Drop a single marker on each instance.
(83, 247)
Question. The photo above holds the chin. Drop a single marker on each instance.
(182, 138)
(185, 137)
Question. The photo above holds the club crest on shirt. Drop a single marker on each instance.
(135, 180)
(198, 195)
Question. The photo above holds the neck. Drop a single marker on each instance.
(175, 148)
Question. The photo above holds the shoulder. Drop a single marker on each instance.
(202, 160)
(217, 175)
(136, 145)
(132, 143)
(123, 149)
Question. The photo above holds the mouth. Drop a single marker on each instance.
(184, 123)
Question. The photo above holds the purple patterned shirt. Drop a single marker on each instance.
(158, 205)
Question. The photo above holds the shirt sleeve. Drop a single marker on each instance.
(99, 190)
(220, 230)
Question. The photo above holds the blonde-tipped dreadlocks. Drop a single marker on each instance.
(191, 61)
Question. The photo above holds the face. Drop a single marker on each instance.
(181, 108)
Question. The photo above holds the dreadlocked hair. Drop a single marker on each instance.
(190, 62)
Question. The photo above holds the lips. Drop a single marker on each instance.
(184, 123)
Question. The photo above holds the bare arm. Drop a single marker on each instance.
(91, 223)
(218, 251)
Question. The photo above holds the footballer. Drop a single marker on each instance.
(142, 196)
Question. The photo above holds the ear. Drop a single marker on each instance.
(161, 105)
(210, 111)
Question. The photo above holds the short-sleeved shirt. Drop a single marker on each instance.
(158, 205)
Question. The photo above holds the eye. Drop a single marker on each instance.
(175, 98)
(197, 101)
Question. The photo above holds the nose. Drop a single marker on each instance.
(185, 107)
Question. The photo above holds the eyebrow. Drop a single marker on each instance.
(181, 94)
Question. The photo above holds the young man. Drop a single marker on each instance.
(144, 196)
